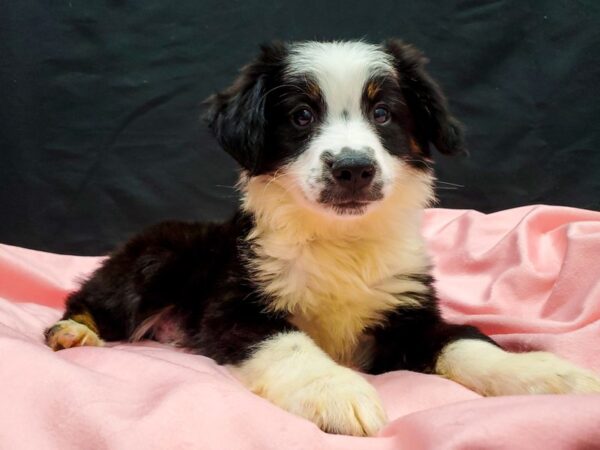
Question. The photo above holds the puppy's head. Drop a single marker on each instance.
(340, 125)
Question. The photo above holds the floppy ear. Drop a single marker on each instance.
(428, 106)
(237, 115)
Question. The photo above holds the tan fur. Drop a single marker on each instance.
(69, 333)
(489, 370)
(86, 319)
(414, 147)
(337, 276)
(314, 91)
(372, 90)
(292, 372)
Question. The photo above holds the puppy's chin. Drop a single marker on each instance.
(349, 210)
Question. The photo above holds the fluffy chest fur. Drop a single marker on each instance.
(333, 279)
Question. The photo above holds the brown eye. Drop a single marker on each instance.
(381, 114)
(303, 117)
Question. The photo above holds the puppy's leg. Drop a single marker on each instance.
(291, 371)
(489, 370)
(127, 289)
(418, 339)
(92, 315)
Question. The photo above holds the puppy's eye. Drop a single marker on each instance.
(303, 117)
(381, 114)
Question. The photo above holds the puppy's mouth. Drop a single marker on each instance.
(352, 208)
(350, 204)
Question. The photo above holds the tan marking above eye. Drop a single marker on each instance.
(372, 90)
(414, 147)
(313, 90)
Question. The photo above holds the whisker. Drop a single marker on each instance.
(274, 178)
(449, 184)
(420, 161)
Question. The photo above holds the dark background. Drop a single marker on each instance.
(100, 103)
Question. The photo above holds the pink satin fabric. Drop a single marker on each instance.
(529, 276)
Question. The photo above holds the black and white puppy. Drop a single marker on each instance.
(323, 269)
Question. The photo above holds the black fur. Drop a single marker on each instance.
(396, 134)
(431, 120)
(237, 115)
(195, 270)
(199, 272)
(412, 338)
(250, 119)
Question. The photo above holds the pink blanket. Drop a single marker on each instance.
(530, 277)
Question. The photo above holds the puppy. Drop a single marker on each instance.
(323, 268)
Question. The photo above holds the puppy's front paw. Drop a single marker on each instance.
(541, 373)
(291, 371)
(68, 333)
(340, 401)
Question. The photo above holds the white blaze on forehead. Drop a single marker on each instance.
(341, 70)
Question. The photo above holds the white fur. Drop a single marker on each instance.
(337, 277)
(341, 70)
(489, 370)
(295, 374)
(336, 134)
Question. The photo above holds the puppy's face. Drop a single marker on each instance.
(339, 125)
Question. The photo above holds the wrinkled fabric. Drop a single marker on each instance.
(527, 276)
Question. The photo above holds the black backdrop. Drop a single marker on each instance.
(100, 103)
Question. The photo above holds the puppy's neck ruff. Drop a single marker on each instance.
(336, 276)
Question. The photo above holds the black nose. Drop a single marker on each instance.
(354, 171)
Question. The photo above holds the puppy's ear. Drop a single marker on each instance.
(428, 106)
(237, 114)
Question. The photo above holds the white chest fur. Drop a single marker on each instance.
(335, 278)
